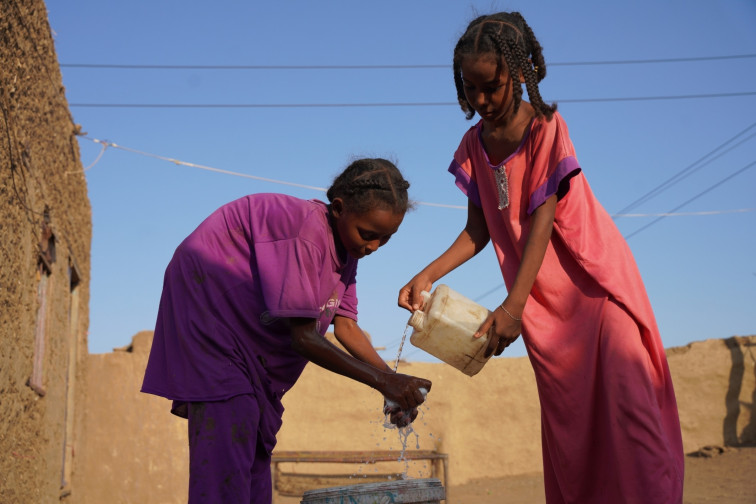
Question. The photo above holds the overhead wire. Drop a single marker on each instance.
(99, 156)
(671, 212)
(391, 66)
(202, 167)
(687, 171)
(179, 162)
(687, 214)
(690, 200)
(391, 104)
(385, 67)
(105, 144)
(667, 214)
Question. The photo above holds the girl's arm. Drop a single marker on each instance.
(359, 346)
(506, 319)
(473, 238)
(356, 342)
(402, 389)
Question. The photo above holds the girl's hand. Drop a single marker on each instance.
(404, 390)
(502, 330)
(399, 417)
(409, 295)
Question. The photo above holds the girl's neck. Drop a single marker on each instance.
(340, 250)
(501, 140)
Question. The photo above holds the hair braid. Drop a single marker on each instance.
(510, 52)
(535, 69)
(367, 184)
(459, 85)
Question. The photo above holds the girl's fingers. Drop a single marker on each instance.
(416, 298)
(484, 327)
(410, 297)
(492, 347)
(503, 343)
(413, 416)
(404, 297)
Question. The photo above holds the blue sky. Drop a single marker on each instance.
(693, 156)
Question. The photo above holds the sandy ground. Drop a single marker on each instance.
(721, 476)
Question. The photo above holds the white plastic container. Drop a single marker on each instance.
(445, 326)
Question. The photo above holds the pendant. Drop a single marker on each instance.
(502, 185)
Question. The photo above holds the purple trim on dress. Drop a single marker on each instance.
(464, 182)
(558, 183)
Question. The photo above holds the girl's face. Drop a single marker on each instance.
(488, 88)
(361, 234)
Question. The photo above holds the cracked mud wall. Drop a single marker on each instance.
(45, 235)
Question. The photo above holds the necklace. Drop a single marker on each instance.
(502, 185)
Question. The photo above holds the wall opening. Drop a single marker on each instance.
(73, 346)
(44, 287)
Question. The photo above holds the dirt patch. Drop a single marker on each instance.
(725, 477)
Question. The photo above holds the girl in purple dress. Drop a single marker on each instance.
(247, 299)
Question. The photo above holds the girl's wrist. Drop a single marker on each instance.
(381, 379)
(511, 315)
(515, 304)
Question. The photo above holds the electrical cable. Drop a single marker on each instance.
(667, 214)
(384, 67)
(107, 144)
(389, 104)
(202, 167)
(705, 191)
(99, 156)
(685, 172)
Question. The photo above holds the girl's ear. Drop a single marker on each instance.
(337, 207)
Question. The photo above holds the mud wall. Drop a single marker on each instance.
(136, 449)
(45, 235)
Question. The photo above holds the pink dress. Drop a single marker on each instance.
(609, 422)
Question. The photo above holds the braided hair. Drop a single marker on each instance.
(508, 36)
(367, 184)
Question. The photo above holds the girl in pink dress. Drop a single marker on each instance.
(609, 423)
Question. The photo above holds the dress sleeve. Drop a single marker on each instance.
(461, 167)
(289, 273)
(553, 163)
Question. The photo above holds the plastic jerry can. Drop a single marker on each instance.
(445, 326)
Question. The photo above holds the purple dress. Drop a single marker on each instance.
(221, 329)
